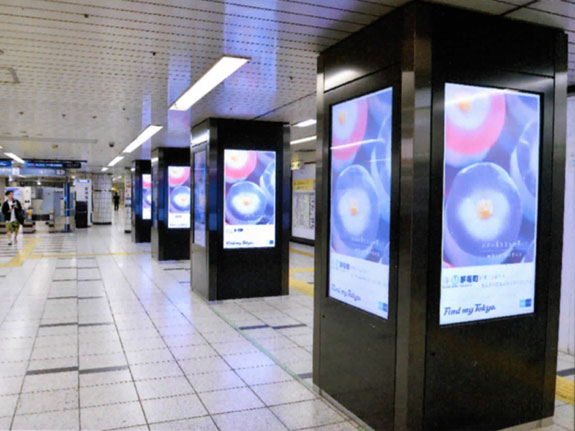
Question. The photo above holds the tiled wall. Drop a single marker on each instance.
(102, 197)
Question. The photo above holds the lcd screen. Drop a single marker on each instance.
(146, 196)
(249, 199)
(491, 176)
(200, 198)
(360, 202)
(179, 197)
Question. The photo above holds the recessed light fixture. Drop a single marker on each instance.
(133, 169)
(115, 161)
(146, 134)
(302, 140)
(15, 157)
(154, 160)
(215, 75)
(306, 123)
(104, 169)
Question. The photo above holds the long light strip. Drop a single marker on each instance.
(115, 161)
(146, 134)
(15, 157)
(302, 140)
(305, 123)
(154, 159)
(104, 169)
(215, 75)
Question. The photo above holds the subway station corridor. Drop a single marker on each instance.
(95, 334)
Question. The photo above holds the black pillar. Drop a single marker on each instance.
(141, 200)
(241, 210)
(171, 203)
(439, 224)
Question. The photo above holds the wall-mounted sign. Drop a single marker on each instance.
(249, 198)
(360, 202)
(491, 179)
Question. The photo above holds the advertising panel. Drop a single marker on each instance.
(490, 194)
(200, 198)
(146, 196)
(179, 197)
(360, 202)
(249, 199)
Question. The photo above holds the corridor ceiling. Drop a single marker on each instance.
(76, 75)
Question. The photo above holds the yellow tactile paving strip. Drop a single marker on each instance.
(565, 390)
(24, 253)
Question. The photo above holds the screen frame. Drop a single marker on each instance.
(362, 87)
(501, 80)
(329, 176)
(195, 152)
(222, 187)
(167, 205)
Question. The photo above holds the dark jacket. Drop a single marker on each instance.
(17, 208)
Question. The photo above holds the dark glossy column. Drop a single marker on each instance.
(141, 201)
(412, 369)
(223, 272)
(170, 240)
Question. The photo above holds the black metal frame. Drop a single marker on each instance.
(219, 273)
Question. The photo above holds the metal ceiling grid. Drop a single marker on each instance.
(96, 62)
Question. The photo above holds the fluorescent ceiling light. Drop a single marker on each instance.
(306, 123)
(215, 75)
(133, 169)
(146, 134)
(154, 160)
(15, 157)
(301, 141)
(115, 161)
(104, 169)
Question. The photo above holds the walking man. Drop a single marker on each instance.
(13, 215)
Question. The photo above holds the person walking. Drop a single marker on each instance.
(13, 215)
(116, 201)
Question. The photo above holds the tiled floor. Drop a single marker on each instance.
(96, 335)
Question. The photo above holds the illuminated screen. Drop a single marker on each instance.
(200, 198)
(179, 197)
(360, 201)
(249, 199)
(146, 196)
(491, 174)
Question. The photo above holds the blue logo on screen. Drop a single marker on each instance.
(382, 306)
(525, 303)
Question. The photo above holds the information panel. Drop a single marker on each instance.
(200, 198)
(360, 202)
(303, 202)
(146, 196)
(179, 197)
(249, 199)
(491, 176)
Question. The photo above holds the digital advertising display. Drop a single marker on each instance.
(200, 198)
(491, 176)
(146, 196)
(249, 198)
(179, 197)
(360, 202)
(17, 194)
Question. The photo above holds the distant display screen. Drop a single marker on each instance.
(491, 179)
(360, 202)
(146, 196)
(249, 199)
(179, 197)
(200, 198)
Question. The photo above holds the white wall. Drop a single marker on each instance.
(567, 317)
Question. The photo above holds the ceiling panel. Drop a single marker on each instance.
(87, 70)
